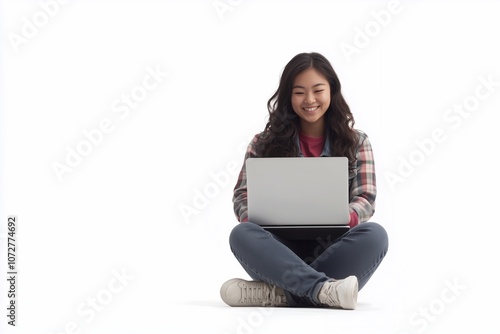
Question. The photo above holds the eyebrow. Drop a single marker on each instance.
(316, 85)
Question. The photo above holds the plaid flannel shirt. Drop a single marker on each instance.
(362, 181)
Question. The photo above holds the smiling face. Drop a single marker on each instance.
(310, 101)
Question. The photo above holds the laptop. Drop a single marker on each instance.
(299, 198)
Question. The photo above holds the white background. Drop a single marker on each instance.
(119, 209)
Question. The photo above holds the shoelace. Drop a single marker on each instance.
(330, 295)
(260, 293)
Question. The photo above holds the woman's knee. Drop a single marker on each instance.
(240, 233)
(378, 231)
(374, 232)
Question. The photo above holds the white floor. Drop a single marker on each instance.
(179, 293)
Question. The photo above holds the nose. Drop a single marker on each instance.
(309, 99)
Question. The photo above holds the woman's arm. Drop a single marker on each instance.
(363, 188)
(240, 190)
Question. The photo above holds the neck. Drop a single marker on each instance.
(316, 129)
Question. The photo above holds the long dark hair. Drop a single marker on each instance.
(279, 136)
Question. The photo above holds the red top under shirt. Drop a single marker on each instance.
(313, 147)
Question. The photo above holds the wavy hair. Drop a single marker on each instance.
(280, 133)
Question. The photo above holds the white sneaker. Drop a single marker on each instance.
(340, 293)
(238, 292)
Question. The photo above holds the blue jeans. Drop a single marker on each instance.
(300, 267)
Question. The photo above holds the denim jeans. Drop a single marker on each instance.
(300, 267)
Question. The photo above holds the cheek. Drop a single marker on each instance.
(326, 102)
(296, 102)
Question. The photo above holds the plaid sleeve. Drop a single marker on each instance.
(363, 188)
(240, 190)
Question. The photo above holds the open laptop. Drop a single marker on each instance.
(299, 198)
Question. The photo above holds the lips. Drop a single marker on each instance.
(311, 109)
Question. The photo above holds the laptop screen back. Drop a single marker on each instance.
(298, 191)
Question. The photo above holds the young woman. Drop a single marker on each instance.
(308, 117)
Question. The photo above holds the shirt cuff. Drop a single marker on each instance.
(354, 220)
